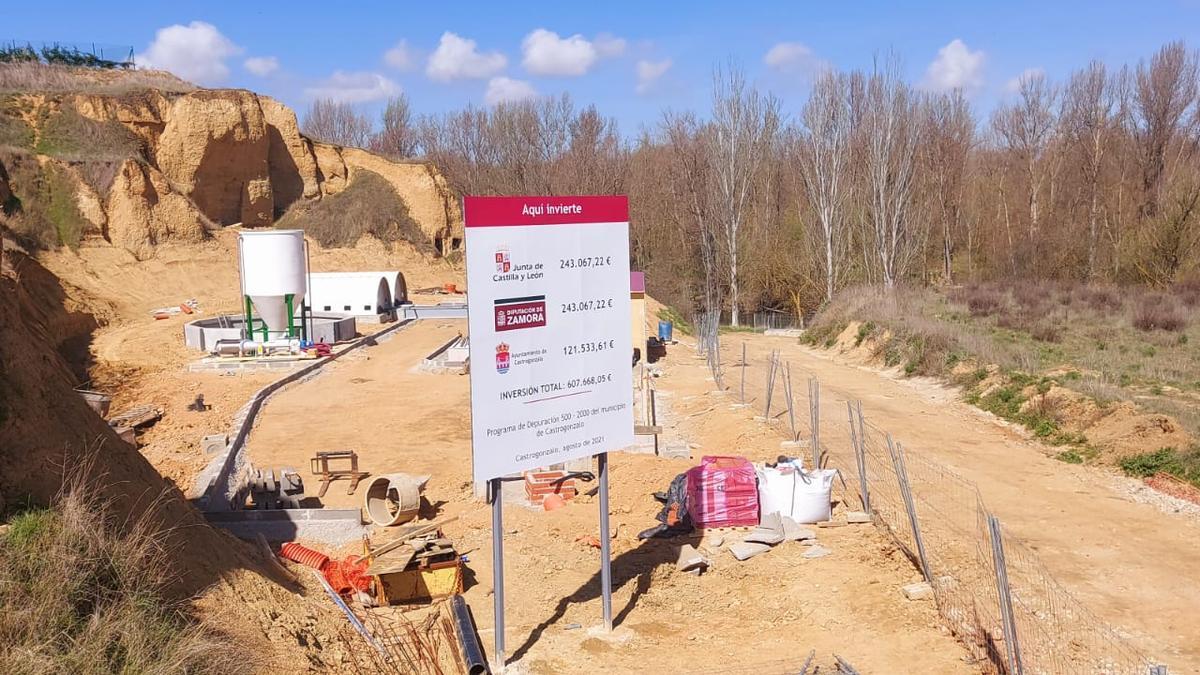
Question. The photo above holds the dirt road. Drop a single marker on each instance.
(1130, 563)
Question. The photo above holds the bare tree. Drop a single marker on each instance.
(1089, 112)
(745, 124)
(824, 159)
(396, 138)
(948, 141)
(891, 130)
(1165, 95)
(1026, 128)
(691, 174)
(336, 122)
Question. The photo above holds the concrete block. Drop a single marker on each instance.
(816, 551)
(858, 518)
(690, 559)
(918, 591)
(769, 530)
(745, 550)
(214, 443)
(793, 531)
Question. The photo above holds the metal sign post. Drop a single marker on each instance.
(605, 544)
(497, 496)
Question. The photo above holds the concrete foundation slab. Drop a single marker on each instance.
(330, 526)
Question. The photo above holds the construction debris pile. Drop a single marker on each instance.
(746, 510)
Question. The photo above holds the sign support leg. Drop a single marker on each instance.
(498, 657)
(605, 543)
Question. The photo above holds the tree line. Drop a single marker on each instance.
(748, 206)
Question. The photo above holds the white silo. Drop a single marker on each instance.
(274, 266)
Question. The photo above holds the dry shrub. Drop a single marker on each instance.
(1159, 312)
(40, 77)
(1046, 332)
(1019, 321)
(1188, 292)
(1101, 299)
(983, 301)
(82, 593)
(1031, 295)
(369, 205)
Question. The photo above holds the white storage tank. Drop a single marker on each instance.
(274, 270)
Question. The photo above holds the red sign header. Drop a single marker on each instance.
(509, 211)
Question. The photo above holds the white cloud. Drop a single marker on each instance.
(609, 45)
(794, 58)
(195, 52)
(956, 67)
(261, 66)
(508, 90)
(548, 54)
(459, 58)
(354, 87)
(1014, 85)
(401, 57)
(649, 72)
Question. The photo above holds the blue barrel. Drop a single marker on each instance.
(665, 329)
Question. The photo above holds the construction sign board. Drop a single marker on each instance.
(548, 309)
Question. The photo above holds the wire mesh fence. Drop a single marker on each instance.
(992, 590)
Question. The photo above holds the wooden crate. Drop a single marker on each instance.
(437, 581)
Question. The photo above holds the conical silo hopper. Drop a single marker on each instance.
(274, 270)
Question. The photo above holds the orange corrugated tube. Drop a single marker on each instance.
(304, 555)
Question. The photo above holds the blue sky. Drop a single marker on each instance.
(631, 59)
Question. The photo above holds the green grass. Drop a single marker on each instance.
(1070, 457)
(679, 323)
(15, 133)
(1183, 464)
(69, 136)
(83, 593)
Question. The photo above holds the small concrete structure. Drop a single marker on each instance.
(334, 527)
(203, 333)
(442, 310)
(367, 296)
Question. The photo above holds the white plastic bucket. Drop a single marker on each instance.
(802, 496)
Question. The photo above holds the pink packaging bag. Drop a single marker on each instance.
(723, 492)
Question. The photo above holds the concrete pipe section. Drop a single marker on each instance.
(393, 498)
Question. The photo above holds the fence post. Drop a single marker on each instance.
(770, 385)
(862, 441)
(859, 458)
(743, 373)
(787, 387)
(814, 418)
(654, 419)
(897, 453)
(1011, 646)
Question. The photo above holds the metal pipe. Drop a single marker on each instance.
(605, 544)
(498, 572)
(468, 639)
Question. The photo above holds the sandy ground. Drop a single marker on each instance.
(1125, 560)
(141, 361)
(763, 615)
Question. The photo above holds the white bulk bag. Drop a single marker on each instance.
(801, 495)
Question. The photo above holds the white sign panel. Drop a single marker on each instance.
(551, 353)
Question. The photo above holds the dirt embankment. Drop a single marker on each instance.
(46, 430)
(1066, 419)
(144, 168)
